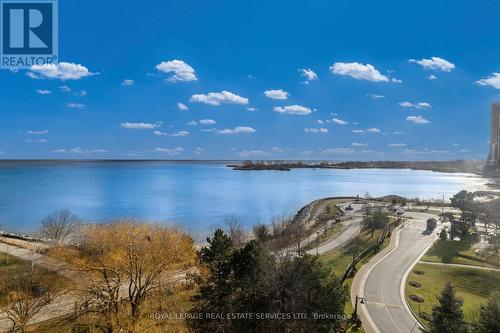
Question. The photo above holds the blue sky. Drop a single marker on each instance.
(401, 80)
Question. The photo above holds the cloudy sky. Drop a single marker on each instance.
(261, 80)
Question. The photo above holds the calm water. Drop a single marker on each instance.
(196, 195)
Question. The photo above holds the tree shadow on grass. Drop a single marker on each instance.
(447, 250)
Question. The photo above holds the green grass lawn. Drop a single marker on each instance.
(332, 232)
(332, 203)
(472, 285)
(460, 252)
(9, 264)
(338, 260)
(13, 268)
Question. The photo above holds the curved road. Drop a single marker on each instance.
(383, 285)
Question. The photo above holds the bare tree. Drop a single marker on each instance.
(27, 294)
(126, 261)
(235, 230)
(59, 226)
(23, 307)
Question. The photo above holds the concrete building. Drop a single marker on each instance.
(493, 162)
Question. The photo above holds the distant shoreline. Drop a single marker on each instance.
(459, 166)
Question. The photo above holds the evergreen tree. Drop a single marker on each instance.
(447, 317)
(254, 271)
(215, 280)
(304, 285)
(489, 315)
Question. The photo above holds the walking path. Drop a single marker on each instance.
(459, 265)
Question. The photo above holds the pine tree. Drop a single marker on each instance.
(215, 284)
(489, 316)
(447, 317)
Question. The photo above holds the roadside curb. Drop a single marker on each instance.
(359, 280)
(403, 286)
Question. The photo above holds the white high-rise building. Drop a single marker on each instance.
(493, 161)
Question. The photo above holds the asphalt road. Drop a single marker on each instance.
(382, 287)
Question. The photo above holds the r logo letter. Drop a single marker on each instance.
(35, 20)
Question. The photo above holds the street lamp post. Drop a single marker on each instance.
(317, 242)
(361, 300)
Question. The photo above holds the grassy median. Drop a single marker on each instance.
(472, 285)
(461, 252)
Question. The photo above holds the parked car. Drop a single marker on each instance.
(431, 224)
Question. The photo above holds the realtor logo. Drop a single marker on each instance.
(29, 33)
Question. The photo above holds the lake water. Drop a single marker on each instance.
(195, 195)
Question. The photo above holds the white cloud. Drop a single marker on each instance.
(338, 151)
(427, 151)
(170, 151)
(127, 82)
(43, 92)
(398, 133)
(338, 121)
(293, 109)
(376, 96)
(38, 132)
(236, 130)
(434, 63)
(431, 77)
(250, 153)
(181, 71)
(59, 151)
(418, 120)
(308, 74)
(78, 150)
(192, 123)
(223, 97)
(358, 131)
(423, 105)
(61, 71)
(316, 130)
(321, 122)
(199, 150)
(251, 109)
(140, 125)
(80, 93)
(396, 80)
(419, 105)
(395, 145)
(373, 130)
(358, 71)
(276, 94)
(358, 144)
(37, 141)
(493, 80)
(180, 133)
(277, 149)
(65, 89)
(207, 122)
(160, 133)
(76, 106)
(182, 106)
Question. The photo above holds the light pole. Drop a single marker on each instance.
(361, 300)
(317, 242)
